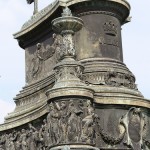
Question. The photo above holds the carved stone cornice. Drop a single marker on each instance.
(35, 87)
(31, 98)
(26, 118)
(25, 106)
(39, 15)
(45, 13)
(122, 101)
(37, 19)
(70, 91)
(122, 2)
(99, 12)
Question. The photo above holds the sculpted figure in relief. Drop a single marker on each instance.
(33, 137)
(53, 123)
(134, 123)
(12, 138)
(37, 61)
(44, 135)
(18, 141)
(62, 122)
(74, 122)
(23, 139)
(88, 124)
(42, 54)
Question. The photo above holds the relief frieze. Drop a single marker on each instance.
(75, 121)
(110, 78)
(68, 121)
(42, 53)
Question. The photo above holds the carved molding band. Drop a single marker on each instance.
(99, 12)
(38, 15)
(113, 79)
(42, 54)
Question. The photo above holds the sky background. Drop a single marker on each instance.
(13, 13)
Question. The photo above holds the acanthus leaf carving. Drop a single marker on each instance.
(88, 125)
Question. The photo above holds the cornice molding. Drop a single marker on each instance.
(24, 119)
(99, 12)
(45, 13)
(122, 101)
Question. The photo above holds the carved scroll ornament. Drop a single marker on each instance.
(134, 123)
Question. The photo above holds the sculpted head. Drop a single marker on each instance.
(38, 45)
(51, 106)
(23, 130)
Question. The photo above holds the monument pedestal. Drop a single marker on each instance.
(79, 94)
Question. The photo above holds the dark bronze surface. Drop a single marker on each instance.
(79, 94)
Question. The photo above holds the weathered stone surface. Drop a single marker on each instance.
(79, 94)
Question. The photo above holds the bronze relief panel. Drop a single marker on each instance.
(41, 58)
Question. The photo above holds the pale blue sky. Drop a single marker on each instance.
(13, 13)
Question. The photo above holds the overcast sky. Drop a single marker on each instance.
(13, 13)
